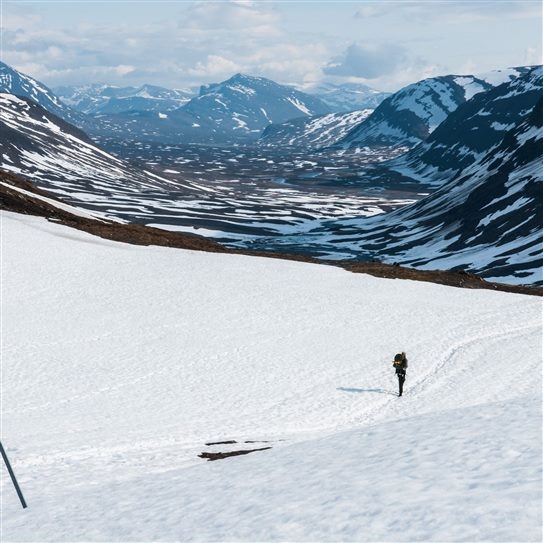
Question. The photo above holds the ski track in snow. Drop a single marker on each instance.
(119, 363)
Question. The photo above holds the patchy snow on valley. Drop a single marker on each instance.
(120, 363)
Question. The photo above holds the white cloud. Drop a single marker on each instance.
(244, 17)
(453, 11)
(533, 56)
(367, 60)
(191, 43)
(370, 10)
(288, 61)
(214, 66)
(123, 69)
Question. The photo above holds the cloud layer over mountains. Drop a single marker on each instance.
(180, 45)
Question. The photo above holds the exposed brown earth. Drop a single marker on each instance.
(13, 200)
(220, 455)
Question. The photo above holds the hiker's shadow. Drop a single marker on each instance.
(360, 390)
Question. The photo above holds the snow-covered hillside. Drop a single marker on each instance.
(312, 132)
(414, 112)
(473, 130)
(19, 84)
(62, 159)
(121, 363)
(410, 115)
(488, 220)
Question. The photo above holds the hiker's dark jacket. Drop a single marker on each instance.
(400, 366)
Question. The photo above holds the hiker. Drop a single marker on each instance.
(400, 364)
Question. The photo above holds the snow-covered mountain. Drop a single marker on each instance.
(472, 130)
(312, 132)
(452, 228)
(105, 99)
(488, 220)
(404, 119)
(236, 109)
(235, 197)
(123, 365)
(410, 115)
(347, 96)
(245, 105)
(14, 82)
(60, 158)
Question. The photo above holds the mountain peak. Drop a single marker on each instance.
(250, 81)
(245, 78)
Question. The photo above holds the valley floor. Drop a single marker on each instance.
(120, 363)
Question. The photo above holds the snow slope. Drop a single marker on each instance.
(487, 220)
(472, 130)
(312, 132)
(410, 115)
(119, 363)
(60, 158)
(19, 84)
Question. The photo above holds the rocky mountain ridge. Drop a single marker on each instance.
(472, 129)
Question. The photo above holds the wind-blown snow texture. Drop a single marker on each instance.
(119, 363)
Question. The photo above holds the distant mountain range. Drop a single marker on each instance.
(347, 97)
(243, 107)
(108, 100)
(404, 118)
(235, 110)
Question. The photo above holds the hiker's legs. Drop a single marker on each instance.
(401, 379)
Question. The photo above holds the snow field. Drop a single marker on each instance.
(119, 363)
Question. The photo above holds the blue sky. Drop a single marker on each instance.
(181, 44)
